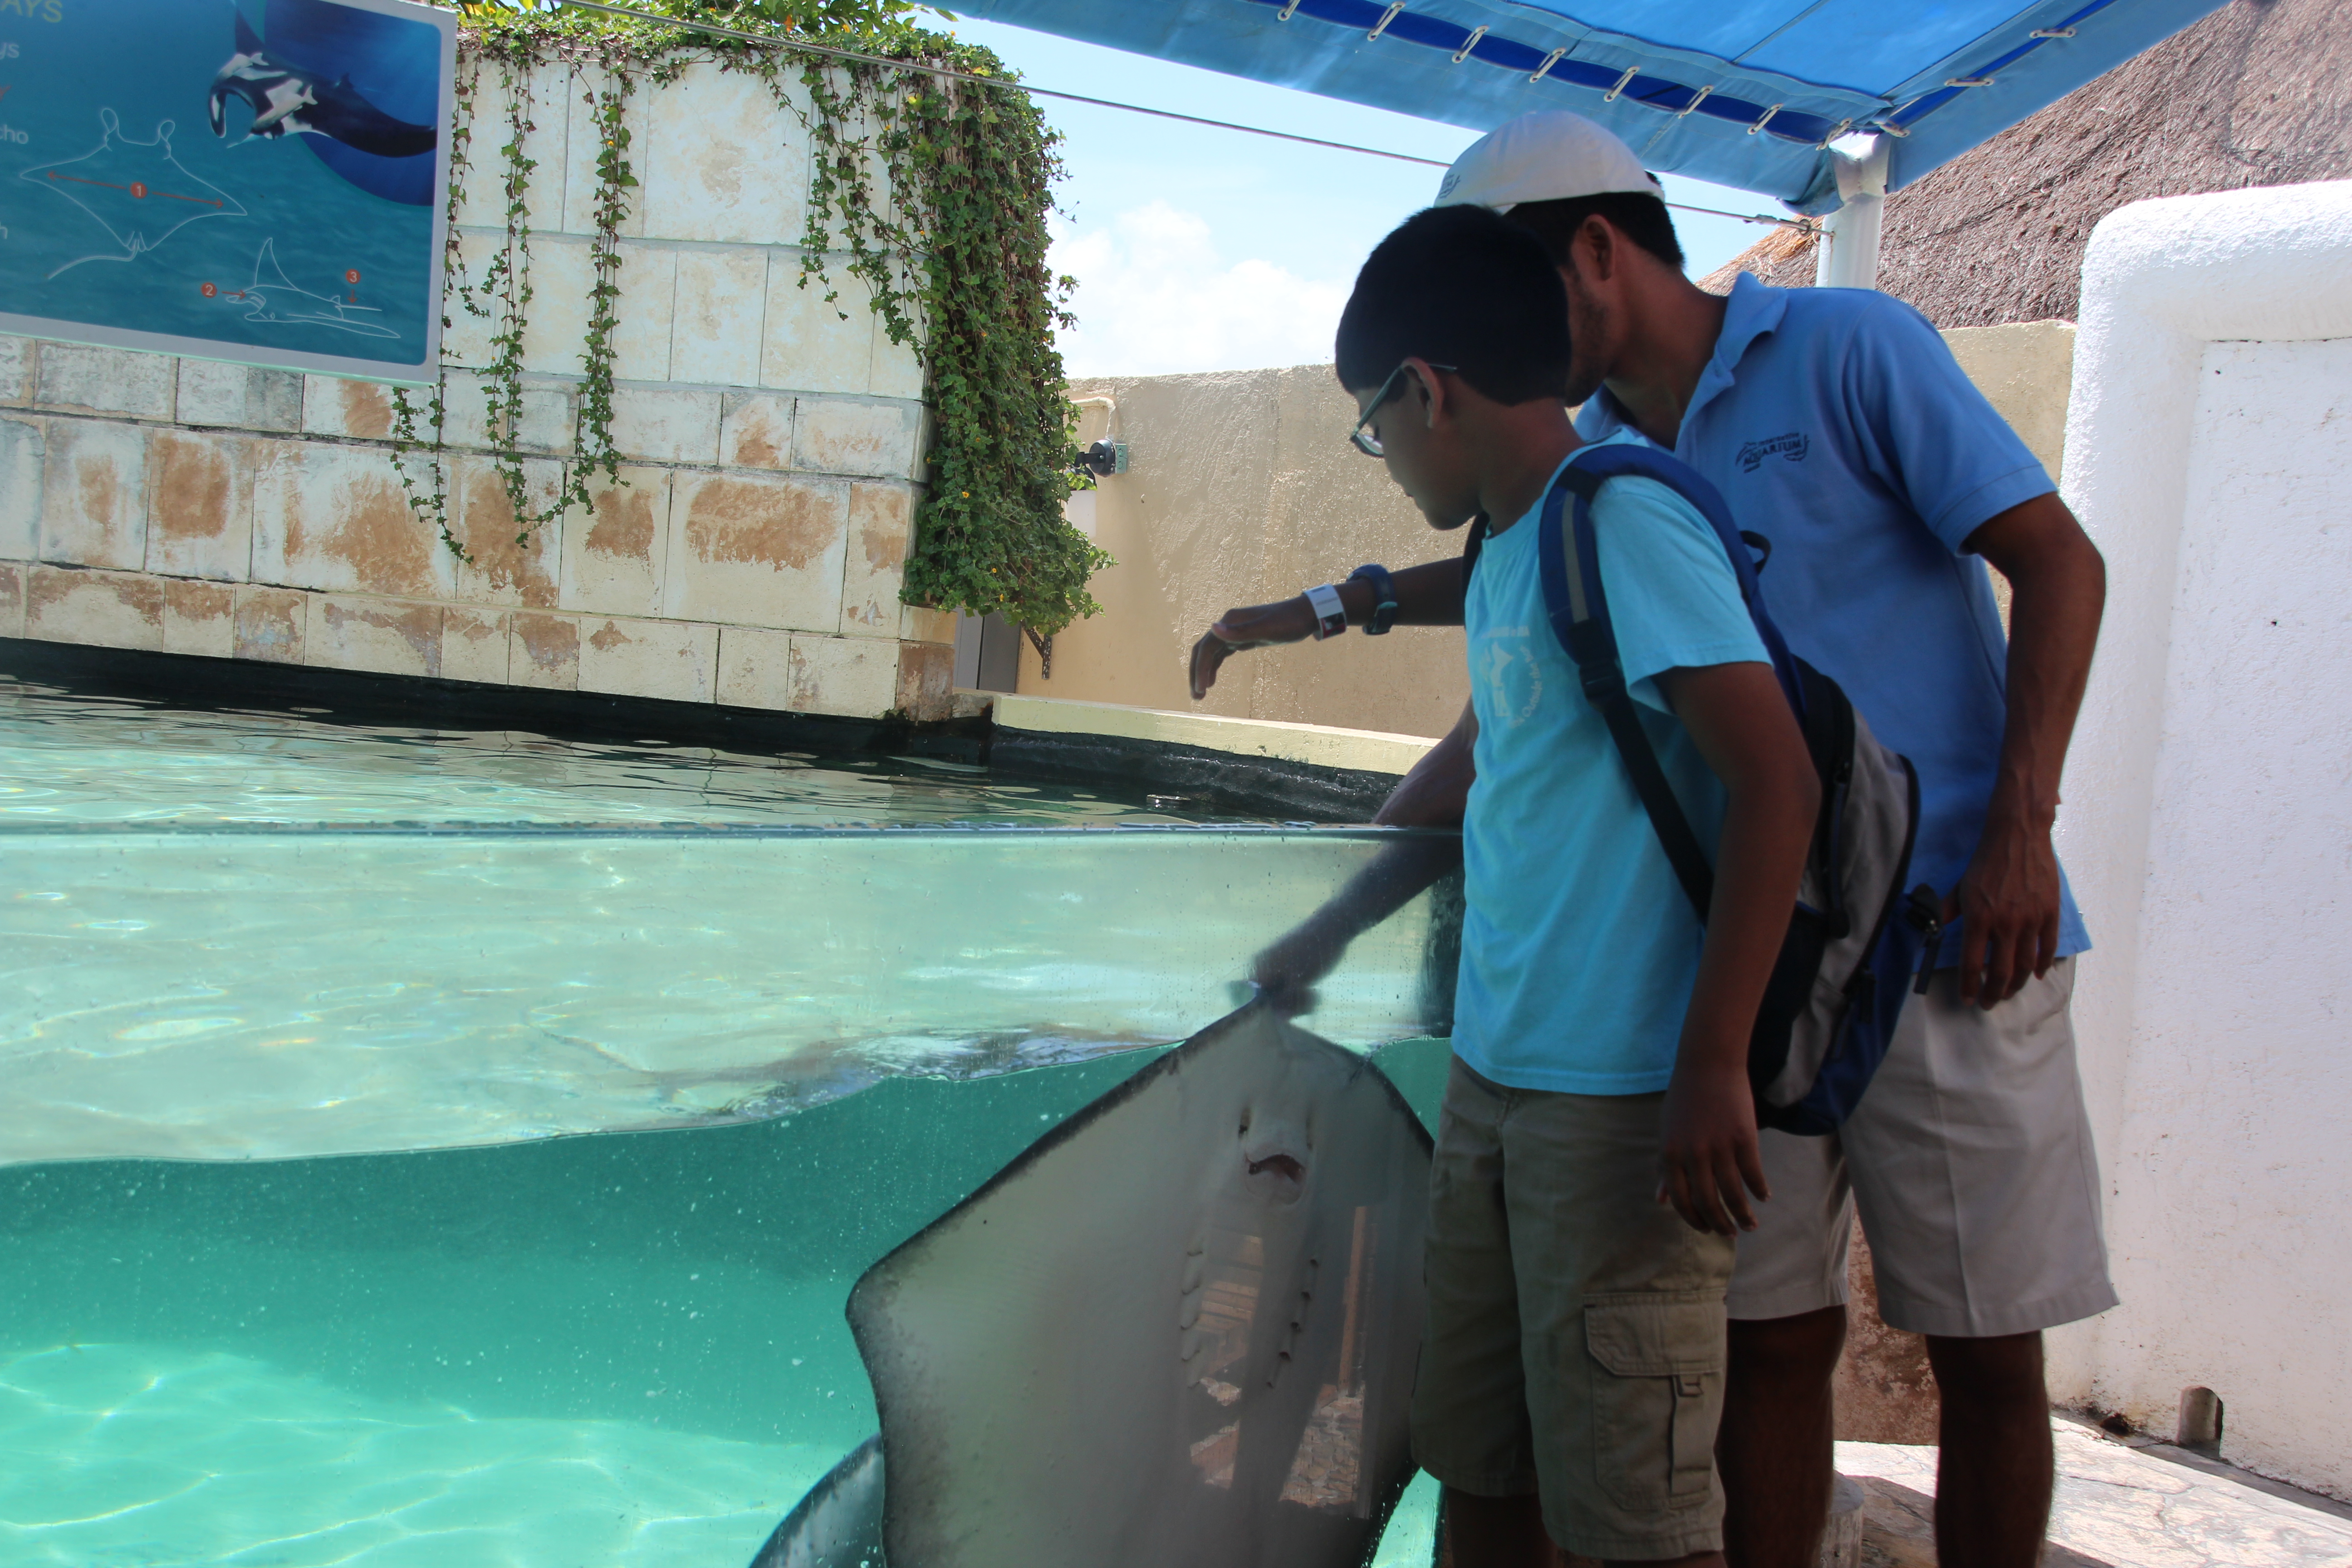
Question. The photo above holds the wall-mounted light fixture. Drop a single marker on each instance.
(1105, 459)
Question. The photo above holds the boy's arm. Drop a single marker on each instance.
(1428, 595)
(2008, 900)
(1741, 724)
(1432, 796)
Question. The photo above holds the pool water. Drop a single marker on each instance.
(297, 1265)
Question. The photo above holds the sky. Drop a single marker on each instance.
(1202, 249)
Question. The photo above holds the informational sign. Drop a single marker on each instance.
(256, 181)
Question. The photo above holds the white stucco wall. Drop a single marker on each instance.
(2208, 823)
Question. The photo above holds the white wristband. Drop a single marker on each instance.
(1330, 614)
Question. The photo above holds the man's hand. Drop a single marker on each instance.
(2007, 905)
(1255, 625)
(1711, 1162)
(1286, 972)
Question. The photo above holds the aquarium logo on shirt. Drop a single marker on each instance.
(1792, 446)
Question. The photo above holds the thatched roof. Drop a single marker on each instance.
(2259, 93)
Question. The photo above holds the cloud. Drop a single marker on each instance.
(1155, 297)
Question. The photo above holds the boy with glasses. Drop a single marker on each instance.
(1598, 1145)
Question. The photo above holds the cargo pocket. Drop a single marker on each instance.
(1657, 1394)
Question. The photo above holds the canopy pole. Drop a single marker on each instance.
(1847, 257)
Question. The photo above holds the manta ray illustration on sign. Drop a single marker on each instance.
(135, 190)
(1181, 1329)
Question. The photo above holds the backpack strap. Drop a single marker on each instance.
(1578, 611)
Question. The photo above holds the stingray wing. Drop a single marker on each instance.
(1179, 1329)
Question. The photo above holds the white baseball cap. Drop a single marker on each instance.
(1547, 156)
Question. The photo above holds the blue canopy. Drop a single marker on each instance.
(1742, 92)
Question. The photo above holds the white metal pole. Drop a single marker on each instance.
(1847, 257)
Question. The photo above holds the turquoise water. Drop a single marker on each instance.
(298, 1262)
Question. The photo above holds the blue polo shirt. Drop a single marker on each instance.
(1837, 424)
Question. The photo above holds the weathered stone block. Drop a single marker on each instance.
(105, 609)
(881, 530)
(546, 424)
(386, 636)
(20, 369)
(503, 571)
(672, 659)
(467, 340)
(545, 652)
(474, 645)
(271, 622)
(548, 90)
(555, 328)
(466, 413)
(641, 341)
(812, 344)
(94, 494)
(20, 489)
(616, 550)
(199, 619)
(239, 397)
(755, 667)
(897, 368)
(833, 435)
(925, 680)
(337, 405)
(722, 160)
(334, 519)
(919, 625)
(666, 425)
(79, 379)
(12, 599)
(755, 430)
(757, 551)
(853, 677)
(721, 306)
(200, 504)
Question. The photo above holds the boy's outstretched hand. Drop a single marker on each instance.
(1253, 626)
(1711, 1162)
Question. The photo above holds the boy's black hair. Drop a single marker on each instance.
(1458, 285)
(1640, 217)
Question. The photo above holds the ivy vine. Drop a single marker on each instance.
(949, 245)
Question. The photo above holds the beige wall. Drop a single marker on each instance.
(772, 450)
(1241, 489)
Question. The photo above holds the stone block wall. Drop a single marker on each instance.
(772, 447)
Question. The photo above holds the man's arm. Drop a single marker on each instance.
(1429, 596)
(2007, 901)
(1742, 726)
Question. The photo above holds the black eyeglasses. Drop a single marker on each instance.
(1366, 442)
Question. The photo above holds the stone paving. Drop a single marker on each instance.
(2119, 1506)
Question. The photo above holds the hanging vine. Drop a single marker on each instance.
(949, 245)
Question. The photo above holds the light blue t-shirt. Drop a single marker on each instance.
(1837, 424)
(1579, 948)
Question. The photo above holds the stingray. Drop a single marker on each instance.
(1179, 1331)
(273, 299)
(136, 191)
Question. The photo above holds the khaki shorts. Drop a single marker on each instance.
(1576, 1331)
(1970, 1159)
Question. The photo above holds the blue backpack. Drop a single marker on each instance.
(1854, 938)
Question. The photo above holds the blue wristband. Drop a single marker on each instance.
(1384, 599)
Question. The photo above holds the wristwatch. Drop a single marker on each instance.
(1384, 599)
(1331, 616)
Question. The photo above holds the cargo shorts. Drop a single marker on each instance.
(1575, 1341)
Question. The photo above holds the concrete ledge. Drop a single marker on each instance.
(1355, 750)
(1248, 767)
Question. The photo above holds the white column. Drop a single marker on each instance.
(1847, 257)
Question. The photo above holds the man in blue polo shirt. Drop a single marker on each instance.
(1837, 424)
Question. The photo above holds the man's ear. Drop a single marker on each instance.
(1598, 242)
